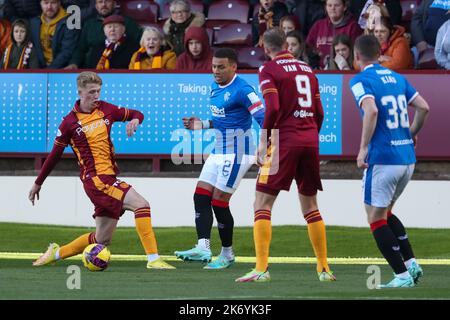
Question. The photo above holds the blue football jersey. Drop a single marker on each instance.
(232, 107)
(391, 142)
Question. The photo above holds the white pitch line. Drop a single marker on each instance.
(308, 260)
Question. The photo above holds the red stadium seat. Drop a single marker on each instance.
(141, 11)
(250, 57)
(427, 60)
(164, 13)
(234, 34)
(408, 8)
(222, 11)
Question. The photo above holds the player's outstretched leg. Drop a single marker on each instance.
(399, 231)
(55, 253)
(203, 222)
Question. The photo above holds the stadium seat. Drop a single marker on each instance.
(250, 57)
(427, 60)
(222, 12)
(164, 13)
(234, 34)
(141, 11)
(408, 8)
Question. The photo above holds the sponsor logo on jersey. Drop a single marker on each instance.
(88, 129)
(217, 112)
(303, 114)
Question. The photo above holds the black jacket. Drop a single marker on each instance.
(120, 59)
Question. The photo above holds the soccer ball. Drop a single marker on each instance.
(96, 257)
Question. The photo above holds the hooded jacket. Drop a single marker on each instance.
(398, 49)
(323, 31)
(186, 61)
(174, 32)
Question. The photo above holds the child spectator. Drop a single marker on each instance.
(296, 45)
(198, 54)
(20, 54)
(288, 24)
(341, 57)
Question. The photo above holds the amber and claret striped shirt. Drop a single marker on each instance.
(89, 135)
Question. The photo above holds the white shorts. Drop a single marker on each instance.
(225, 171)
(383, 184)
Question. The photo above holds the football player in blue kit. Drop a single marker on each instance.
(234, 104)
(387, 154)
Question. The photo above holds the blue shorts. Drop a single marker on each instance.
(383, 184)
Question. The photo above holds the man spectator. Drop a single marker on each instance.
(269, 16)
(92, 33)
(87, 7)
(53, 40)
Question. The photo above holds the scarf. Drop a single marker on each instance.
(111, 47)
(142, 55)
(24, 56)
(264, 17)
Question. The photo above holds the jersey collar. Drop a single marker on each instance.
(232, 80)
(77, 108)
(284, 55)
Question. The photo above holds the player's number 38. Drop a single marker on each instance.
(396, 118)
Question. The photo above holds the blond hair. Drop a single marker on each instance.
(158, 33)
(87, 77)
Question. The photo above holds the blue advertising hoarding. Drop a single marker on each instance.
(33, 106)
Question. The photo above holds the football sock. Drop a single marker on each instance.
(227, 252)
(409, 262)
(152, 257)
(204, 244)
(388, 245)
(262, 234)
(225, 222)
(400, 233)
(203, 213)
(77, 246)
(318, 238)
(144, 229)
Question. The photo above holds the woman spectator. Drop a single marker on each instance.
(269, 16)
(116, 51)
(297, 47)
(181, 18)
(337, 21)
(198, 54)
(153, 53)
(341, 57)
(442, 49)
(288, 24)
(20, 54)
(395, 51)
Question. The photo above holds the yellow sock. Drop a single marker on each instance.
(145, 231)
(77, 246)
(317, 235)
(262, 233)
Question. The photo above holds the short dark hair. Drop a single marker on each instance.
(368, 47)
(274, 39)
(228, 53)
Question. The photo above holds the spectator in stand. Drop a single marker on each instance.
(442, 49)
(296, 45)
(25, 9)
(341, 57)
(116, 51)
(269, 16)
(393, 9)
(289, 23)
(429, 16)
(371, 15)
(198, 54)
(92, 34)
(20, 54)
(338, 21)
(307, 12)
(181, 18)
(395, 51)
(87, 7)
(153, 53)
(53, 40)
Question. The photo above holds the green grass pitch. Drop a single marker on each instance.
(131, 280)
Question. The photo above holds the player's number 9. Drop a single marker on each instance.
(304, 88)
(395, 103)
